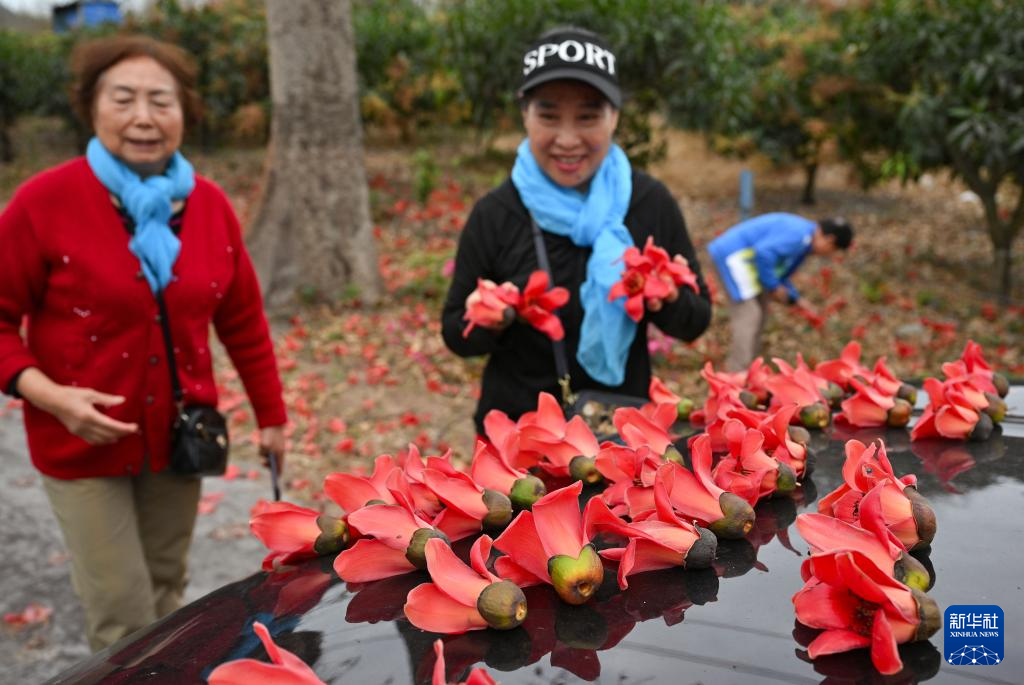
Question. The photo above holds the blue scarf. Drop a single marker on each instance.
(148, 203)
(593, 220)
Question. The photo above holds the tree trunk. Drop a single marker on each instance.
(811, 174)
(312, 238)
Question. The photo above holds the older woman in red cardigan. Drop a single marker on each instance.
(87, 246)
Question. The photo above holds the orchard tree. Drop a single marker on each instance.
(941, 85)
(786, 88)
(312, 239)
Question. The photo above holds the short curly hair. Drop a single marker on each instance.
(92, 58)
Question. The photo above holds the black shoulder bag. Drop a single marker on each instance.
(596, 407)
(199, 436)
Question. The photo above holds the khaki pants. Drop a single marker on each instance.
(746, 323)
(129, 539)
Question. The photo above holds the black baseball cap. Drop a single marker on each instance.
(575, 54)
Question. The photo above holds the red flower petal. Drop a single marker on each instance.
(836, 641)
(885, 654)
(645, 555)
(822, 606)
(353, 492)
(430, 609)
(479, 553)
(285, 527)
(457, 525)
(285, 669)
(558, 523)
(371, 560)
(451, 576)
(391, 524)
(523, 546)
(458, 491)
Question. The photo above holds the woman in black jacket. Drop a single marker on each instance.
(590, 205)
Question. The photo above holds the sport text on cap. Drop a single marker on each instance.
(569, 52)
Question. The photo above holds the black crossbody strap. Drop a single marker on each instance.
(561, 358)
(165, 326)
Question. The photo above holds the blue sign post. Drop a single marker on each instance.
(746, 194)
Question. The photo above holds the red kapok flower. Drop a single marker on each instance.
(537, 305)
(906, 513)
(293, 533)
(548, 545)
(284, 668)
(469, 508)
(867, 407)
(695, 496)
(491, 469)
(492, 305)
(398, 547)
(463, 598)
(661, 540)
(949, 414)
(841, 370)
(556, 440)
(351, 492)
(827, 535)
(858, 605)
(643, 278)
(747, 470)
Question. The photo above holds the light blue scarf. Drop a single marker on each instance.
(593, 220)
(148, 203)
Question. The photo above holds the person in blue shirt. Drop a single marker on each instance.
(755, 259)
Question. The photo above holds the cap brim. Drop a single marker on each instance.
(605, 87)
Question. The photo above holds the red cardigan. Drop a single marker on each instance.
(92, 320)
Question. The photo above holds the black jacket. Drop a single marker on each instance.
(497, 243)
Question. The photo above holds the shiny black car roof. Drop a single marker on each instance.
(734, 624)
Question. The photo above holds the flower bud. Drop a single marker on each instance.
(584, 469)
(702, 552)
(525, 491)
(684, 409)
(899, 414)
(333, 535)
(815, 415)
(416, 551)
(503, 605)
(737, 519)
(499, 510)
(576, 580)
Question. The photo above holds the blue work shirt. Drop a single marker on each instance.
(760, 254)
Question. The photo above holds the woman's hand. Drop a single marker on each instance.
(655, 304)
(75, 408)
(508, 314)
(272, 441)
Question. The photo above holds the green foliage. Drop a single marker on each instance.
(31, 73)
(404, 82)
(673, 56)
(942, 85)
(787, 84)
(229, 43)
